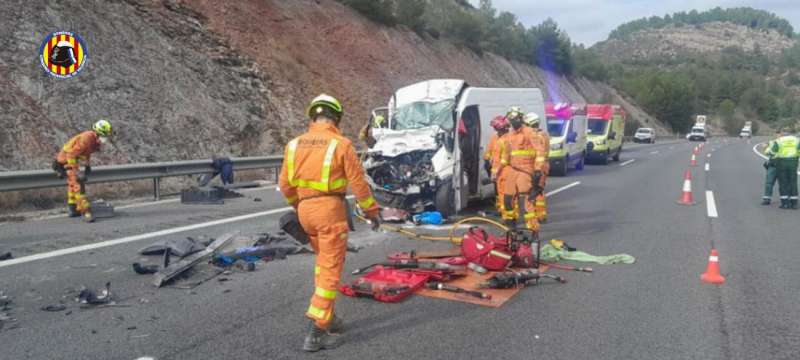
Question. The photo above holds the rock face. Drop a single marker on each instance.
(171, 89)
(710, 38)
(190, 79)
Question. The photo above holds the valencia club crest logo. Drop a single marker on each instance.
(63, 54)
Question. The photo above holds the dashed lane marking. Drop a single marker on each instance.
(708, 167)
(711, 205)
(654, 152)
(565, 187)
(627, 162)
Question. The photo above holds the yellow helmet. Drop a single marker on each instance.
(514, 113)
(320, 103)
(102, 127)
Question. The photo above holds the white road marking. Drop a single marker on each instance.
(708, 167)
(627, 162)
(565, 187)
(755, 150)
(129, 239)
(712, 205)
(654, 152)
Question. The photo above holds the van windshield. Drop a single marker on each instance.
(555, 127)
(423, 114)
(597, 126)
(697, 130)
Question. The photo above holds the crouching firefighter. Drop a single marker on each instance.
(519, 160)
(318, 167)
(77, 150)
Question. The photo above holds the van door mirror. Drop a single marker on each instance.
(572, 137)
(613, 135)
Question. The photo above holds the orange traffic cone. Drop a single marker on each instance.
(712, 275)
(686, 197)
(693, 163)
(696, 150)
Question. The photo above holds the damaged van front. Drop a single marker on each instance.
(411, 164)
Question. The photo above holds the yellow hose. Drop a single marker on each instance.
(450, 236)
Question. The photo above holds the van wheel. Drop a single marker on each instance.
(445, 200)
(604, 160)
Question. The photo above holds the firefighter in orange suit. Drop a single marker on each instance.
(317, 169)
(522, 163)
(67, 164)
(492, 157)
(542, 143)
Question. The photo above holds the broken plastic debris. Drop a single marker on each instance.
(54, 307)
(144, 269)
(87, 296)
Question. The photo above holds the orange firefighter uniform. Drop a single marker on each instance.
(542, 144)
(318, 167)
(492, 155)
(78, 149)
(519, 159)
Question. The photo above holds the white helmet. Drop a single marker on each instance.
(531, 119)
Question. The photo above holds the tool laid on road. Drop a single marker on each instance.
(435, 285)
(388, 284)
(412, 264)
(520, 278)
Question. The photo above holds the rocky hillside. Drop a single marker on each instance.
(189, 79)
(709, 39)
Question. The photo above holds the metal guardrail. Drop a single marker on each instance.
(39, 179)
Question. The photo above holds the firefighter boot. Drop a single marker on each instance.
(766, 202)
(336, 326)
(88, 217)
(319, 339)
(73, 211)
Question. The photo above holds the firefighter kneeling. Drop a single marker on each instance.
(317, 169)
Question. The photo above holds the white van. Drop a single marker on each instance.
(436, 129)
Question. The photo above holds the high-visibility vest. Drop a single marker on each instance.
(324, 183)
(787, 147)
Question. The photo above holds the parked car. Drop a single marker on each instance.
(645, 135)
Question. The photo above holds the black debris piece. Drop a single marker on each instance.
(144, 269)
(177, 247)
(6, 256)
(54, 307)
(257, 199)
(91, 297)
(203, 196)
(166, 274)
(353, 248)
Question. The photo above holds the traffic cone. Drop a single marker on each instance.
(686, 196)
(693, 163)
(696, 150)
(712, 275)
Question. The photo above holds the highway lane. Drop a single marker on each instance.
(656, 308)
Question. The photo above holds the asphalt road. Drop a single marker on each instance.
(654, 309)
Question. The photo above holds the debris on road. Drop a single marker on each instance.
(177, 247)
(6, 256)
(395, 215)
(166, 274)
(202, 196)
(552, 254)
(144, 269)
(54, 307)
(428, 218)
(5, 310)
(101, 209)
(91, 297)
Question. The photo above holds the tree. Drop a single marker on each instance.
(410, 13)
(730, 123)
(552, 47)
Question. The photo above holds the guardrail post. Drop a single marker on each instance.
(157, 188)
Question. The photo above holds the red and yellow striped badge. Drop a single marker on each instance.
(63, 54)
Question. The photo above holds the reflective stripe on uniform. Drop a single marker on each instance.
(540, 158)
(325, 184)
(530, 153)
(291, 200)
(292, 148)
(325, 293)
(326, 165)
(366, 203)
(72, 161)
(317, 270)
(529, 216)
(316, 312)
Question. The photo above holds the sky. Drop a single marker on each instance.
(590, 21)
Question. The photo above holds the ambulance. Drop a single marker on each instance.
(606, 128)
(566, 125)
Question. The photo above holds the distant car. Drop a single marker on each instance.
(745, 134)
(645, 135)
(697, 134)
